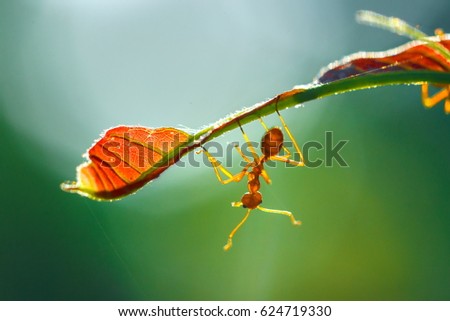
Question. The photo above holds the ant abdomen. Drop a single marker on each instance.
(272, 142)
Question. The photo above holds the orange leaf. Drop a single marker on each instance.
(125, 159)
(415, 55)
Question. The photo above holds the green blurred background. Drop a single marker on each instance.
(378, 230)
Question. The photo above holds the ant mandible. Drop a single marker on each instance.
(271, 145)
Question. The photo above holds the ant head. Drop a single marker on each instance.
(272, 142)
(251, 200)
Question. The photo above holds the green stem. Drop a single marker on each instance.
(311, 92)
(300, 95)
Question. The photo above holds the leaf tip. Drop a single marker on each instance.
(69, 186)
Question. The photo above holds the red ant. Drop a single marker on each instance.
(271, 145)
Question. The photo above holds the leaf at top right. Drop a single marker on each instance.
(428, 54)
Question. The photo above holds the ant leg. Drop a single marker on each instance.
(294, 142)
(242, 154)
(266, 176)
(287, 160)
(249, 143)
(217, 166)
(447, 103)
(263, 124)
(230, 237)
(250, 163)
(287, 213)
(429, 102)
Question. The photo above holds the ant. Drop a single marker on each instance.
(432, 101)
(271, 145)
(428, 101)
